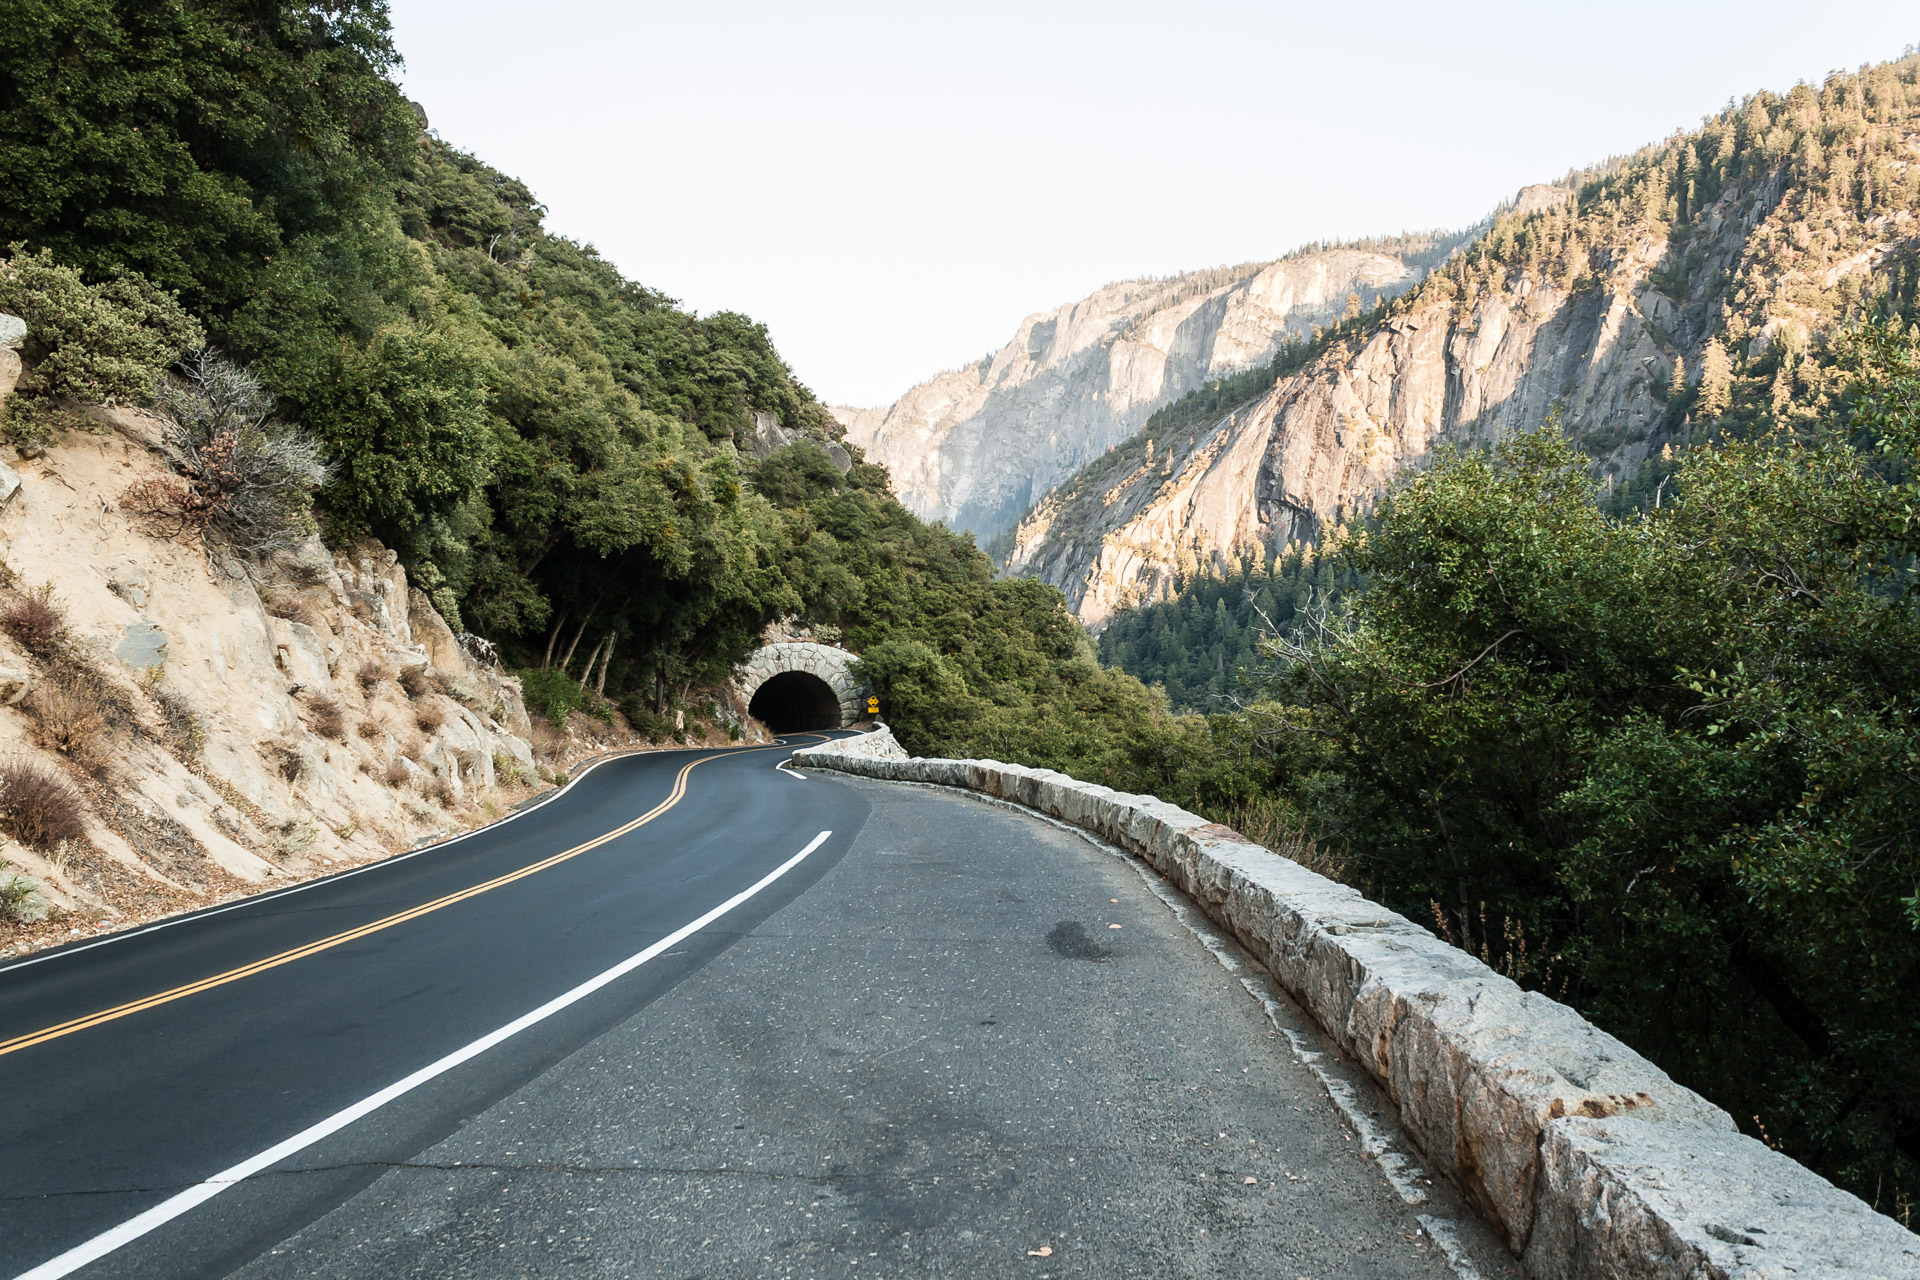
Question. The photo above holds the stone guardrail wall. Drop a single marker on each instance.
(1588, 1158)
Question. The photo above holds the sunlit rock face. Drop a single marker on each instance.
(975, 447)
(1325, 442)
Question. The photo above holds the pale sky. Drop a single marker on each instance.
(892, 187)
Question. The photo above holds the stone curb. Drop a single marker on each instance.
(1588, 1158)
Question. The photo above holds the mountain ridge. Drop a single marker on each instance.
(977, 445)
(1749, 238)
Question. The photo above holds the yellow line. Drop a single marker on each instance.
(45, 1034)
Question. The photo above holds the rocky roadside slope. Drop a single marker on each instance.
(222, 730)
(976, 446)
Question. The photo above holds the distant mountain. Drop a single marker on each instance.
(1732, 252)
(977, 446)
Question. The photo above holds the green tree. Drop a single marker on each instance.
(188, 142)
(1716, 379)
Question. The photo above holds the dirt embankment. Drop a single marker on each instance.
(222, 729)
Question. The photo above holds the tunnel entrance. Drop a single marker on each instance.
(794, 701)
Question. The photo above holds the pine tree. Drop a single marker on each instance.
(1716, 379)
(1677, 384)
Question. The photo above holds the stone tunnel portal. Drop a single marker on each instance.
(792, 685)
(794, 701)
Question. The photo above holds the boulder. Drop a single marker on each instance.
(143, 645)
(15, 684)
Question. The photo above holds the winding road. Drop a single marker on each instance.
(694, 1015)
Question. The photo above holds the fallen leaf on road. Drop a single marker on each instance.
(1113, 926)
(1044, 1251)
(1250, 1181)
(1113, 900)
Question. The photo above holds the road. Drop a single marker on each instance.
(692, 1017)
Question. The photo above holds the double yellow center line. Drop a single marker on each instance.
(54, 1032)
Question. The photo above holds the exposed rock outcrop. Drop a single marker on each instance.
(976, 446)
(249, 726)
(1446, 367)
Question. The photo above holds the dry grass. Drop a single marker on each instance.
(37, 621)
(397, 774)
(39, 806)
(293, 609)
(75, 716)
(370, 674)
(415, 682)
(287, 760)
(508, 770)
(548, 744)
(429, 717)
(1279, 828)
(327, 716)
(182, 729)
(370, 728)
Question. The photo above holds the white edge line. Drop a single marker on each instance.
(786, 767)
(167, 1210)
(274, 894)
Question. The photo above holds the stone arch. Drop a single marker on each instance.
(823, 662)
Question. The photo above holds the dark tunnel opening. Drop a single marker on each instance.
(793, 701)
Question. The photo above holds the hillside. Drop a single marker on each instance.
(1727, 252)
(976, 446)
(177, 729)
(401, 457)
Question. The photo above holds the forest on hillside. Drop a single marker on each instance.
(558, 453)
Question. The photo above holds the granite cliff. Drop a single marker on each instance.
(975, 447)
(1723, 251)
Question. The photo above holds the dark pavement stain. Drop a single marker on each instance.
(1070, 939)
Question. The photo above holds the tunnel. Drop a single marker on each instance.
(793, 701)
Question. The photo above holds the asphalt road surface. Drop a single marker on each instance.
(695, 1016)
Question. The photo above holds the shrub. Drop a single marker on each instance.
(397, 773)
(168, 507)
(429, 717)
(39, 807)
(74, 715)
(103, 342)
(252, 478)
(36, 620)
(414, 681)
(645, 721)
(552, 692)
(181, 725)
(15, 894)
(288, 760)
(508, 770)
(328, 717)
(370, 674)
(370, 728)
